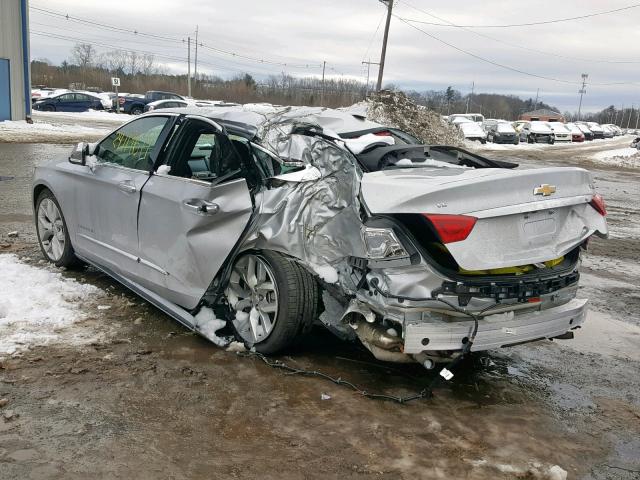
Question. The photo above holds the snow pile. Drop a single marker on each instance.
(88, 116)
(396, 110)
(39, 307)
(622, 157)
(23, 132)
(208, 324)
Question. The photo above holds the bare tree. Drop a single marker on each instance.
(132, 62)
(147, 64)
(83, 55)
(114, 60)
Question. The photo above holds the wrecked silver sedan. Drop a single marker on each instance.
(258, 225)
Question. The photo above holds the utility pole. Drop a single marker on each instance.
(535, 105)
(629, 119)
(324, 66)
(368, 64)
(582, 91)
(389, 4)
(188, 66)
(637, 116)
(473, 86)
(195, 61)
(615, 119)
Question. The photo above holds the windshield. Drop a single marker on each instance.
(505, 128)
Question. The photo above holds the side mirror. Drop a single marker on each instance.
(79, 154)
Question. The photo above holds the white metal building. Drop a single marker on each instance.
(15, 83)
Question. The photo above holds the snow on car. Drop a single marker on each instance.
(244, 224)
(561, 133)
(471, 130)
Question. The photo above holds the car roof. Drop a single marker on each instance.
(246, 122)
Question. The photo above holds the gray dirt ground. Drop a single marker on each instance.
(153, 401)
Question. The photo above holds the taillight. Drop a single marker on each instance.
(597, 202)
(451, 228)
(383, 133)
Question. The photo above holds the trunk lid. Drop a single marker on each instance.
(524, 216)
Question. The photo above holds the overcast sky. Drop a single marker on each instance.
(344, 34)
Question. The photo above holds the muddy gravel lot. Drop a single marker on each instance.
(126, 392)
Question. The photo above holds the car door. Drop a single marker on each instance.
(83, 102)
(107, 197)
(65, 103)
(191, 217)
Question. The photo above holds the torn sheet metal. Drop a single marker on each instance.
(316, 221)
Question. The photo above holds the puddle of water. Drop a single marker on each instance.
(606, 336)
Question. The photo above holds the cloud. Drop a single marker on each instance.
(342, 33)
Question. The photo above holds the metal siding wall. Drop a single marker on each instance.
(11, 48)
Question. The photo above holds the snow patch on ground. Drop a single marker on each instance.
(622, 157)
(23, 132)
(208, 324)
(89, 116)
(39, 307)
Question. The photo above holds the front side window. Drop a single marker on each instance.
(67, 97)
(132, 145)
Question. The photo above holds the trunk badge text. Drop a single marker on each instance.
(545, 190)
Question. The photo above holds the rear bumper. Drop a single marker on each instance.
(495, 331)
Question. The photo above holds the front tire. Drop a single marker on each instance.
(137, 111)
(275, 301)
(53, 235)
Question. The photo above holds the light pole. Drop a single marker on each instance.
(582, 91)
(383, 54)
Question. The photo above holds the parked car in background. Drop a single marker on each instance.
(69, 102)
(502, 132)
(598, 133)
(134, 104)
(586, 131)
(212, 216)
(561, 133)
(474, 117)
(576, 133)
(607, 132)
(471, 130)
(46, 92)
(535, 132)
(160, 104)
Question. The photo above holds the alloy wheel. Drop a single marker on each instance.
(51, 229)
(253, 294)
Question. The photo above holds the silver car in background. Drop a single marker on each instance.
(249, 225)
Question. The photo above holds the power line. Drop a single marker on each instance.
(169, 39)
(553, 54)
(501, 65)
(545, 22)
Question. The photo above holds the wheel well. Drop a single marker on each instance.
(37, 190)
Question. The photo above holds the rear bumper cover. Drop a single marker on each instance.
(495, 331)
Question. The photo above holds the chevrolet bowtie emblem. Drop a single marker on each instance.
(545, 190)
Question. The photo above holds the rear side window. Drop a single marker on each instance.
(131, 146)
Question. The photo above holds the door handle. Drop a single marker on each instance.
(201, 207)
(127, 186)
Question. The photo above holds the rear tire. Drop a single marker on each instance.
(53, 235)
(262, 282)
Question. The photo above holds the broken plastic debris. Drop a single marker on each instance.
(104, 307)
(325, 396)
(446, 374)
